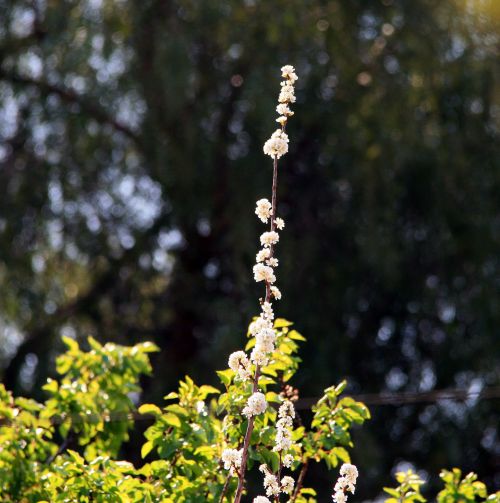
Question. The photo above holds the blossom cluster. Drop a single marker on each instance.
(345, 483)
(277, 145)
(232, 460)
(240, 365)
(273, 485)
(265, 335)
(256, 405)
(283, 441)
(261, 499)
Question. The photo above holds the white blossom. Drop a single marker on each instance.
(281, 120)
(288, 72)
(271, 484)
(201, 407)
(259, 324)
(287, 94)
(272, 262)
(340, 497)
(240, 365)
(345, 483)
(263, 255)
(263, 210)
(287, 460)
(266, 339)
(280, 223)
(263, 272)
(283, 109)
(259, 356)
(283, 440)
(276, 293)
(284, 425)
(232, 460)
(287, 484)
(264, 345)
(256, 404)
(286, 409)
(267, 311)
(350, 472)
(277, 145)
(261, 499)
(269, 238)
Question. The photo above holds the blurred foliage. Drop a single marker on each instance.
(131, 156)
(408, 490)
(466, 490)
(37, 460)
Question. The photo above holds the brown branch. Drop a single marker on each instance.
(64, 445)
(224, 489)
(279, 476)
(70, 96)
(300, 480)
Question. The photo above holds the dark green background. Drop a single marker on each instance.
(131, 158)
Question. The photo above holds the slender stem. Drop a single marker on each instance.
(62, 447)
(300, 480)
(224, 489)
(251, 420)
(279, 476)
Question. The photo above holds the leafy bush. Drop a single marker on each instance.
(89, 408)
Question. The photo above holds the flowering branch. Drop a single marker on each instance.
(263, 270)
(345, 483)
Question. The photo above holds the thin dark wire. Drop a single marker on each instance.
(372, 399)
(402, 398)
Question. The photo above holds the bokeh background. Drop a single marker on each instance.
(131, 158)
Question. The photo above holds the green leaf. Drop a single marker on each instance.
(250, 344)
(177, 409)
(208, 390)
(293, 334)
(51, 386)
(308, 490)
(342, 454)
(71, 343)
(146, 448)
(225, 376)
(171, 396)
(392, 492)
(148, 347)
(281, 323)
(172, 420)
(95, 345)
(149, 408)
(75, 457)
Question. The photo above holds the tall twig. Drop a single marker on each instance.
(300, 480)
(251, 419)
(224, 489)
